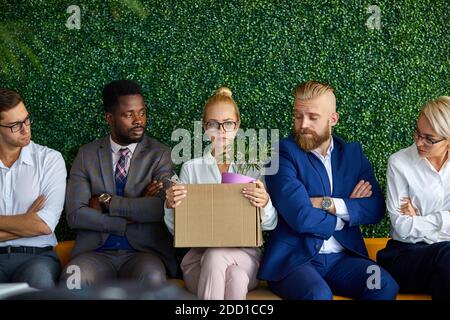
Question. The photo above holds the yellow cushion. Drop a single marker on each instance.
(64, 249)
(374, 245)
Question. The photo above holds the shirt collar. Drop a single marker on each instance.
(208, 155)
(25, 155)
(330, 149)
(116, 147)
(416, 158)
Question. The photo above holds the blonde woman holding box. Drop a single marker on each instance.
(220, 273)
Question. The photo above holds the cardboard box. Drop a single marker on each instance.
(217, 215)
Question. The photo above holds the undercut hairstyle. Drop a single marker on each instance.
(310, 90)
(117, 88)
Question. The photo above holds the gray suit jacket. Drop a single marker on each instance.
(92, 174)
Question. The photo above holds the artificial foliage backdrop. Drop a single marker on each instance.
(385, 59)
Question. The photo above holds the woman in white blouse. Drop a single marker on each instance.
(418, 202)
(220, 273)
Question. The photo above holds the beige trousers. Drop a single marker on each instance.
(221, 273)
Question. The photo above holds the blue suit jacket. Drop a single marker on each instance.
(301, 228)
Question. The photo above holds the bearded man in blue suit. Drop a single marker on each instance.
(324, 190)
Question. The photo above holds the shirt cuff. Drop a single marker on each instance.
(341, 209)
(339, 224)
(269, 217)
(267, 208)
(445, 220)
(169, 219)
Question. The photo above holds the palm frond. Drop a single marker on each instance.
(12, 48)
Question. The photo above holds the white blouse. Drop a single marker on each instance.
(409, 175)
(205, 170)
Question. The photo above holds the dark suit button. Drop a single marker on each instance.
(317, 246)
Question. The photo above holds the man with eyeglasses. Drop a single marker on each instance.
(115, 198)
(32, 184)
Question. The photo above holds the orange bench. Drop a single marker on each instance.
(64, 248)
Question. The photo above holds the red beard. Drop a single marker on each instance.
(309, 143)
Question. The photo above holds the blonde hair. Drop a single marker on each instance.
(437, 112)
(223, 94)
(310, 90)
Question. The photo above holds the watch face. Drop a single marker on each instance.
(104, 197)
(326, 203)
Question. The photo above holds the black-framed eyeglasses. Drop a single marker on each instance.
(227, 126)
(428, 142)
(17, 126)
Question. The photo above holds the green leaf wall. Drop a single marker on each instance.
(181, 51)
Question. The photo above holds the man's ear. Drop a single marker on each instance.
(334, 118)
(109, 117)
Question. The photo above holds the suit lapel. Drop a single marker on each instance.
(335, 160)
(135, 165)
(320, 168)
(105, 159)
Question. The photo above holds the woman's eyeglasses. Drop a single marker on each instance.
(427, 141)
(227, 126)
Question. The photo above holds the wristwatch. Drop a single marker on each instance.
(326, 203)
(104, 199)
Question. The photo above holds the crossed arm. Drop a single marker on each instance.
(303, 214)
(84, 211)
(43, 215)
(363, 189)
(406, 219)
(27, 224)
(151, 190)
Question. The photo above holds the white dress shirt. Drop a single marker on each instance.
(38, 171)
(410, 175)
(116, 154)
(332, 245)
(205, 170)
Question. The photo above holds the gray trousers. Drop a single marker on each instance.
(40, 271)
(100, 267)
